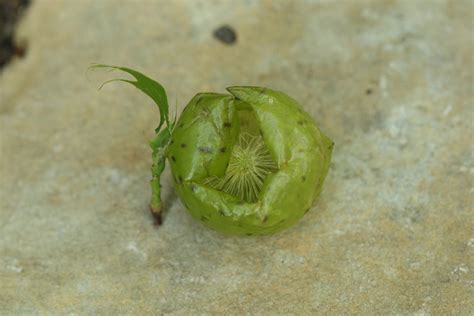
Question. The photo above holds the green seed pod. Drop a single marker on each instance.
(251, 162)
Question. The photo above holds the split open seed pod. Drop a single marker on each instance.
(251, 162)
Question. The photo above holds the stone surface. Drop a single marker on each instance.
(390, 81)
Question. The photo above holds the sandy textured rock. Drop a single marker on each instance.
(390, 81)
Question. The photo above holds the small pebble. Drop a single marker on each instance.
(225, 34)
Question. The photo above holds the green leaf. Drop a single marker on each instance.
(148, 86)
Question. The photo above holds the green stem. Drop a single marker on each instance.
(159, 145)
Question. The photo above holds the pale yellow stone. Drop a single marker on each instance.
(391, 82)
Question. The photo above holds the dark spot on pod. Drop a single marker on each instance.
(248, 234)
(307, 211)
(193, 188)
(204, 218)
(206, 150)
(180, 179)
(221, 212)
(265, 219)
(172, 142)
(227, 124)
(303, 178)
(173, 158)
(181, 124)
(368, 91)
(222, 150)
(300, 122)
(331, 146)
(183, 145)
(225, 34)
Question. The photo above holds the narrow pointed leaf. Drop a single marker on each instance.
(147, 85)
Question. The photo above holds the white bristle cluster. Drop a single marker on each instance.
(250, 163)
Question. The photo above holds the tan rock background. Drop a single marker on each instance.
(390, 81)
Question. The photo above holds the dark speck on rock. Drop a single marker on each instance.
(10, 13)
(225, 34)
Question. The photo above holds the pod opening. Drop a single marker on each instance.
(250, 162)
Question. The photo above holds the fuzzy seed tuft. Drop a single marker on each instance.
(250, 163)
